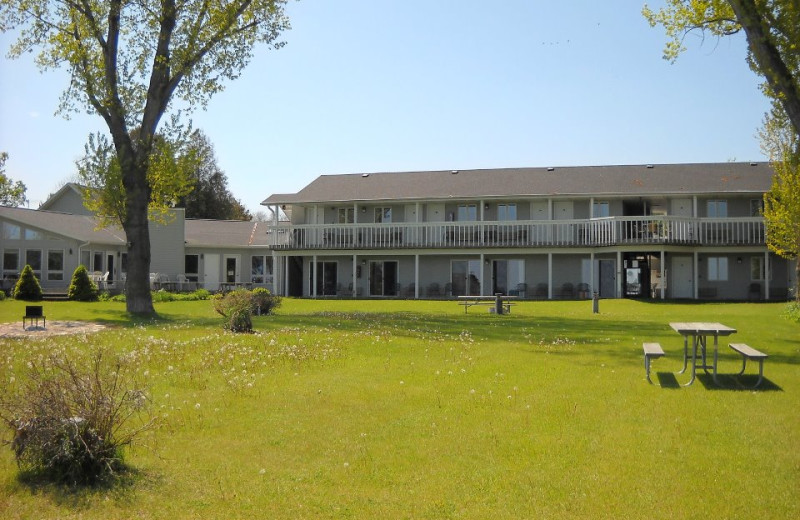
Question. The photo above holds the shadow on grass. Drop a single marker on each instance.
(736, 383)
(122, 488)
(668, 380)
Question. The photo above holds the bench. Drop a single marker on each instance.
(33, 313)
(748, 352)
(651, 351)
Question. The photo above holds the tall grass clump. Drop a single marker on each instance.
(81, 287)
(27, 287)
(237, 309)
(264, 302)
(70, 419)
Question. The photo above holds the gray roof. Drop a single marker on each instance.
(225, 233)
(630, 180)
(78, 227)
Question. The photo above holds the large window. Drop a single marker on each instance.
(33, 257)
(346, 216)
(11, 231)
(506, 212)
(756, 207)
(191, 267)
(55, 264)
(465, 277)
(97, 261)
(718, 269)
(600, 209)
(261, 269)
(757, 269)
(467, 212)
(383, 215)
(32, 234)
(717, 208)
(10, 263)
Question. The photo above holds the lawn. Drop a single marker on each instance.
(407, 409)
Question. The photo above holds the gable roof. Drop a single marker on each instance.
(78, 227)
(632, 180)
(225, 233)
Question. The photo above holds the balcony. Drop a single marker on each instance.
(601, 232)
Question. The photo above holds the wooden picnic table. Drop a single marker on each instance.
(699, 332)
(501, 302)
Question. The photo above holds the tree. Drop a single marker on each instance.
(210, 197)
(782, 201)
(772, 28)
(11, 193)
(127, 62)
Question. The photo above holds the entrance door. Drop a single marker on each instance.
(682, 279)
(507, 277)
(211, 272)
(110, 268)
(608, 278)
(383, 278)
(465, 278)
(327, 278)
(231, 269)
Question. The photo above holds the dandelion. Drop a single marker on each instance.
(472, 392)
(197, 406)
(346, 464)
(262, 471)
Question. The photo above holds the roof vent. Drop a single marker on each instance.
(649, 166)
(550, 169)
(365, 175)
(454, 172)
(753, 163)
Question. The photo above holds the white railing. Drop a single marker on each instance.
(530, 233)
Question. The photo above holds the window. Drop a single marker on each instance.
(10, 263)
(757, 269)
(718, 269)
(600, 209)
(191, 267)
(55, 264)
(756, 207)
(123, 263)
(33, 257)
(11, 231)
(506, 212)
(717, 209)
(383, 215)
(97, 261)
(32, 234)
(467, 212)
(261, 269)
(346, 215)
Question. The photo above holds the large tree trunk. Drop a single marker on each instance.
(137, 287)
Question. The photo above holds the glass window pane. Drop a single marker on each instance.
(34, 259)
(11, 231)
(10, 261)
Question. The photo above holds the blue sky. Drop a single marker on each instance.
(401, 85)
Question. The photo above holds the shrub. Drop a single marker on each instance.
(264, 302)
(81, 287)
(2, 296)
(237, 309)
(71, 419)
(792, 311)
(28, 287)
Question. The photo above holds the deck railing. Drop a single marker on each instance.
(530, 233)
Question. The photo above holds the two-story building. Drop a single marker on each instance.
(645, 231)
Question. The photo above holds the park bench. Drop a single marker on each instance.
(651, 351)
(748, 352)
(33, 313)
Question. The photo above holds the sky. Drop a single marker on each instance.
(407, 85)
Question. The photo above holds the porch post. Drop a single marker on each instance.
(355, 281)
(483, 276)
(313, 287)
(766, 275)
(416, 276)
(696, 273)
(549, 276)
(591, 273)
(591, 207)
(663, 280)
(275, 274)
(620, 272)
(286, 277)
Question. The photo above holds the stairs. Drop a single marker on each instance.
(54, 297)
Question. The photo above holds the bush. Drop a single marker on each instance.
(28, 287)
(2, 296)
(82, 288)
(264, 302)
(792, 311)
(237, 309)
(71, 419)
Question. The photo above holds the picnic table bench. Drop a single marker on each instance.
(501, 303)
(748, 352)
(33, 313)
(651, 351)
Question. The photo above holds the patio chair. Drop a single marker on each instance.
(434, 290)
(754, 292)
(521, 290)
(583, 291)
(567, 291)
(541, 291)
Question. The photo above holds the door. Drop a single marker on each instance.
(327, 282)
(110, 268)
(232, 269)
(465, 278)
(383, 278)
(211, 272)
(608, 278)
(682, 279)
(508, 277)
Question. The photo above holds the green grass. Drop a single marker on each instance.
(404, 409)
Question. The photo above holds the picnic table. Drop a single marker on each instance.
(502, 303)
(700, 332)
(232, 286)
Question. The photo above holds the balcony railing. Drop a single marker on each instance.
(530, 233)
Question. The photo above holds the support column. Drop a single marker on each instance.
(766, 275)
(416, 276)
(591, 274)
(313, 287)
(663, 277)
(620, 272)
(549, 276)
(696, 273)
(355, 280)
(483, 274)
